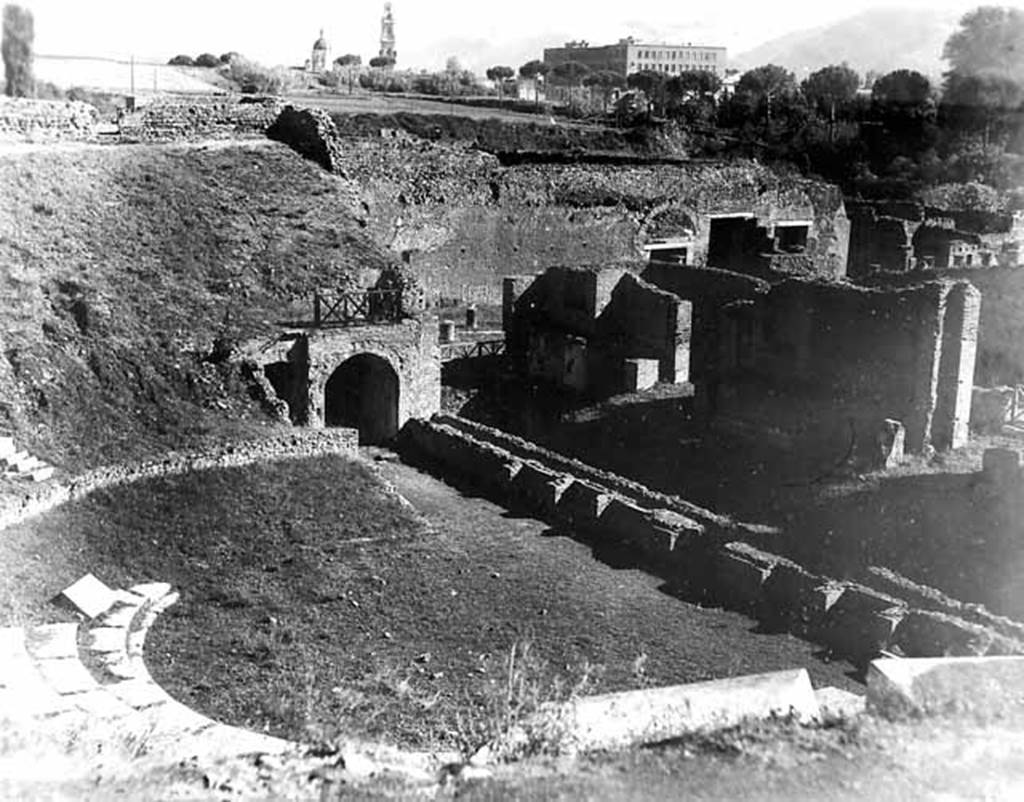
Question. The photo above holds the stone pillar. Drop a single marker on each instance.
(956, 367)
(447, 331)
(929, 303)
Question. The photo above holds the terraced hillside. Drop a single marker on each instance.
(122, 267)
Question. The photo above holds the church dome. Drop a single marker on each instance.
(321, 43)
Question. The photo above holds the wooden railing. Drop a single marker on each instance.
(1017, 404)
(469, 350)
(356, 306)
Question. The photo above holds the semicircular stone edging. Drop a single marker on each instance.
(172, 728)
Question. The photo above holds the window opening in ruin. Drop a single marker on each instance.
(791, 238)
(362, 394)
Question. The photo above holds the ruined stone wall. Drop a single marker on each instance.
(46, 120)
(595, 319)
(854, 356)
(171, 119)
(466, 221)
(689, 547)
(1000, 358)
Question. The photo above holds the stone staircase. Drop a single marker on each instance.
(21, 464)
(60, 678)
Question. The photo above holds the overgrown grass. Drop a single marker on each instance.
(120, 267)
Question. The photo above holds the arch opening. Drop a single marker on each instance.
(362, 394)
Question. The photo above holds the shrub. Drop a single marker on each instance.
(253, 78)
(182, 60)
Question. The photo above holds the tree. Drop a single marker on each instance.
(985, 84)
(207, 60)
(651, 83)
(831, 87)
(534, 71)
(499, 74)
(18, 37)
(691, 95)
(350, 63)
(231, 55)
(605, 81)
(902, 89)
(382, 62)
(767, 85)
(571, 73)
(988, 43)
(182, 61)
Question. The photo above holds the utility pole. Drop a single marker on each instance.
(132, 72)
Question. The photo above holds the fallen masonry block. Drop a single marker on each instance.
(43, 474)
(582, 504)
(6, 447)
(890, 443)
(89, 596)
(861, 623)
(925, 633)
(797, 599)
(983, 686)
(835, 704)
(1000, 465)
(654, 715)
(740, 573)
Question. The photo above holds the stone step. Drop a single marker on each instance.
(25, 693)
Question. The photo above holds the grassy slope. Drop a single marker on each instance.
(119, 266)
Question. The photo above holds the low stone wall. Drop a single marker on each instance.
(697, 550)
(299, 444)
(46, 120)
(174, 120)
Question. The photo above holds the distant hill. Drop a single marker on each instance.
(882, 39)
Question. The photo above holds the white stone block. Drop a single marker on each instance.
(981, 685)
(633, 718)
(90, 596)
(6, 447)
(835, 704)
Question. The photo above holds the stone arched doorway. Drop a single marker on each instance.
(362, 394)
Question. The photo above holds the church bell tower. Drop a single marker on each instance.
(387, 35)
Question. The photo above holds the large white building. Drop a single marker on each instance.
(629, 56)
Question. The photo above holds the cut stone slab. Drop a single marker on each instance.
(925, 633)
(53, 641)
(835, 704)
(42, 474)
(89, 596)
(107, 639)
(139, 693)
(633, 718)
(6, 447)
(67, 676)
(933, 685)
(152, 590)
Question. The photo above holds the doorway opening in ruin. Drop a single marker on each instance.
(730, 240)
(362, 394)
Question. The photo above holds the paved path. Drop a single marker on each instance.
(576, 607)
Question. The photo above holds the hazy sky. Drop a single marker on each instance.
(478, 33)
